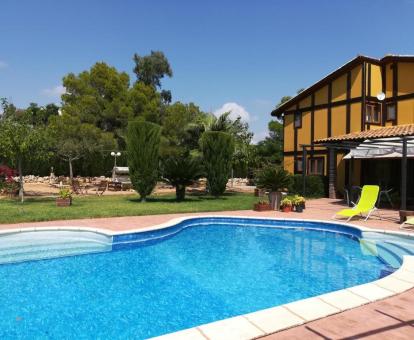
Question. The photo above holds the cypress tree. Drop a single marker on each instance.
(218, 149)
(143, 142)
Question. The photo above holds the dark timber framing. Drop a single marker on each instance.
(348, 66)
(348, 104)
(295, 141)
(363, 99)
(312, 121)
(330, 110)
(351, 101)
(395, 89)
(383, 88)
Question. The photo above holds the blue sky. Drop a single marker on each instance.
(245, 52)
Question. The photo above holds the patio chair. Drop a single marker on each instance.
(77, 189)
(366, 204)
(101, 188)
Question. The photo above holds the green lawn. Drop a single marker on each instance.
(44, 209)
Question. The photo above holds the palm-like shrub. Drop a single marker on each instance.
(218, 149)
(181, 171)
(143, 142)
(273, 178)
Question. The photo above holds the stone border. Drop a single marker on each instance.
(275, 319)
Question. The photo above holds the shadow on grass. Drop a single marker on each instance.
(193, 197)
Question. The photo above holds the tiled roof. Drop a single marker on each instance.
(388, 131)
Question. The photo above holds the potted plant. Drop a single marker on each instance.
(286, 204)
(262, 206)
(275, 180)
(64, 199)
(299, 203)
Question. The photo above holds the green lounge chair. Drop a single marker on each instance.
(365, 205)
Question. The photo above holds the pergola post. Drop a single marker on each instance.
(350, 177)
(332, 173)
(304, 170)
(404, 175)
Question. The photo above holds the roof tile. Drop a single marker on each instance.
(388, 131)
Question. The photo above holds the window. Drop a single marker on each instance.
(299, 167)
(316, 166)
(391, 111)
(298, 119)
(373, 113)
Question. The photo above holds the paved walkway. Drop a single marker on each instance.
(392, 318)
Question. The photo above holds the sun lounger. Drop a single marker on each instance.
(365, 205)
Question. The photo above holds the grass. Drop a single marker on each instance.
(44, 209)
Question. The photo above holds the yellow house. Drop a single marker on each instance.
(363, 95)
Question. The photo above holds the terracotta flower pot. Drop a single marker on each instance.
(63, 202)
(262, 207)
(287, 208)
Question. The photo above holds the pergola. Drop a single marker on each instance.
(382, 143)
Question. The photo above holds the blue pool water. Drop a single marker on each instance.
(210, 270)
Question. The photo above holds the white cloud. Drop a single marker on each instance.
(235, 109)
(53, 92)
(3, 64)
(257, 137)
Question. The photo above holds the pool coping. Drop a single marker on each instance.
(271, 320)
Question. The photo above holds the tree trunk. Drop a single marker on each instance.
(180, 192)
(21, 180)
(70, 171)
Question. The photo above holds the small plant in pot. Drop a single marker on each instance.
(64, 199)
(299, 203)
(262, 206)
(273, 179)
(286, 205)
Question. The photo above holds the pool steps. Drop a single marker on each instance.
(40, 245)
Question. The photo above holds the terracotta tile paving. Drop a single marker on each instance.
(392, 318)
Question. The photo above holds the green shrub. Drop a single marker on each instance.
(273, 178)
(218, 149)
(181, 171)
(316, 186)
(143, 142)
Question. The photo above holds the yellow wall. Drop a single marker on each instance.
(339, 88)
(288, 133)
(338, 120)
(355, 117)
(321, 124)
(356, 82)
(305, 102)
(376, 80)
(405, 111)
(304, 131)
(289, 163)
(321, 96)
(340, 172)
(405, 78)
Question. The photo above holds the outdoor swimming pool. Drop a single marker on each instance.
(203, 269)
